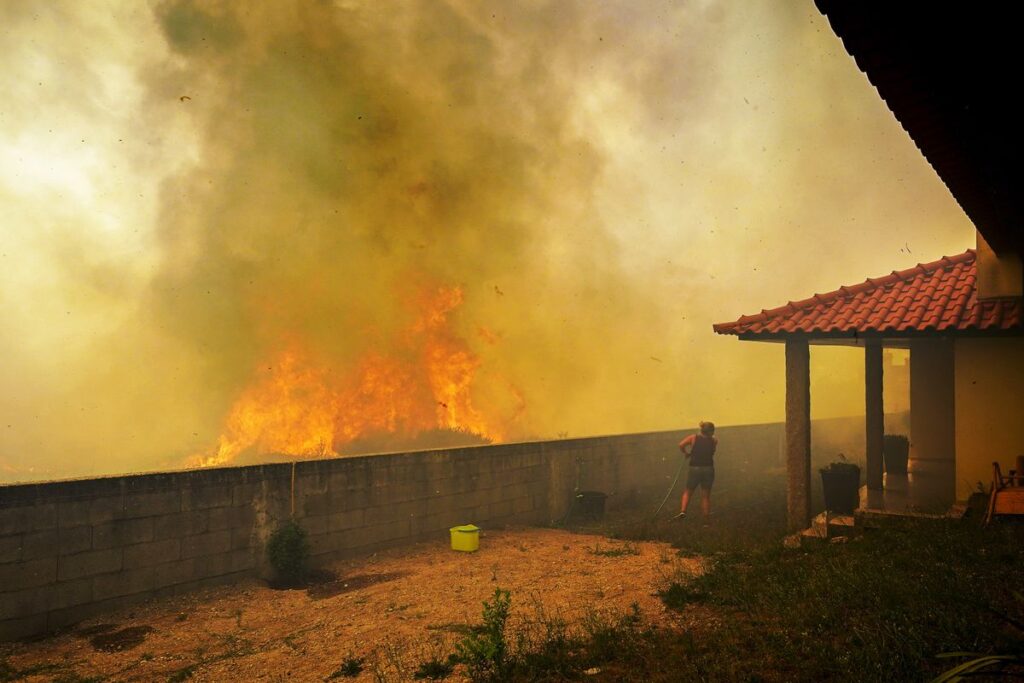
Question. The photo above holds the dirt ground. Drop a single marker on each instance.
(394, 610)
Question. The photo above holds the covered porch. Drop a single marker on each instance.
(923, 310)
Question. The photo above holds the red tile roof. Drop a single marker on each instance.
(940, 296)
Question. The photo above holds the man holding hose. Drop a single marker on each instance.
(700, 450)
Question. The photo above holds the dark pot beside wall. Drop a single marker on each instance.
(895, 452)
(840, 486)
(591, 504)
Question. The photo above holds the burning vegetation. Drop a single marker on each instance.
(417, 391)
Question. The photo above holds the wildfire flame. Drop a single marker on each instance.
(300, 406)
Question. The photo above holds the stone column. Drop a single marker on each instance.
(798, 434)
(874, 412)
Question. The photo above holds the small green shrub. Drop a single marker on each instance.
(485, 654)
(350, 668)
(288, 551)
(677, 596)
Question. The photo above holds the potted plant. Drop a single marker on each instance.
(895, 451)
(840, 486)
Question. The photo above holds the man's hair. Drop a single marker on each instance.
(707, 428)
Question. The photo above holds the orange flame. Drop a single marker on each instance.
(298, 406)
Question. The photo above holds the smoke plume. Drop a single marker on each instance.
(196, 190)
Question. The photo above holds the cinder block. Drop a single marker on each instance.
(25, 602)
(244, 494)
(503, 508)
(319, 524)
(523, 505)
(174, 573)
(357, 499)
(433, 524)
(181, 524)
(71, 593)
(122, 532)
(316, 504)
(150, 554)
(40, 544)
(73, 513)
(241, 539)
(205, 497)
(152, 504)
(10, 548)
(243, 561)
(206, 544)
(475, 515)
(379, 533)
(396, 511)
(443, 504)
(107, 509)
(211, 582)
(223, 564)
(76, 539)
(219, 518)
(243, 516)
(129, 582)
(526, 475)
(42, 516)
(14, 520)
(513, 491)
(443, 487)
(59, 618)
(321, 544)
(12, 629)
(89, 564)
(19, 575)
(341, 521)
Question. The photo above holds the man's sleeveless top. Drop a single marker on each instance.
(703, 451)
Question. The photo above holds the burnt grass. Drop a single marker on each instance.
(880, 607)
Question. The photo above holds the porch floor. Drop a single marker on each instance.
(910, 495)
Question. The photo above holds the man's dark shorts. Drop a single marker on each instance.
(700, 476)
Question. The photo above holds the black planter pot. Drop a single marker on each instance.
(591, 504)
(895, 452)
(840, 487)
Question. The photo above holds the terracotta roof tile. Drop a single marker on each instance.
(939, 296)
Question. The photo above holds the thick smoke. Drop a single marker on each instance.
(602, 181)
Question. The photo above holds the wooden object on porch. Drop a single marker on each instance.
(1007, 494)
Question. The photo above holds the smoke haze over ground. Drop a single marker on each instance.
(193, 190)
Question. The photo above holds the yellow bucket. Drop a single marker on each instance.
(465, 538)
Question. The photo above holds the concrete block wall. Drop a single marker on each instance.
(73, 549)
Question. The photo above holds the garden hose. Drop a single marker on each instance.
(682, 463)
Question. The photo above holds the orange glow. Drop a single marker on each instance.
(298, 405)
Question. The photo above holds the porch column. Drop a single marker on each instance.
(874, 411)
(798, 434)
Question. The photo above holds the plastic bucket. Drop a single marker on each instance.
(465, 538)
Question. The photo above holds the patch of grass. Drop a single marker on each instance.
(878, 608)
(10, 673)
(677, 596)
(73, 677)
(435, 669)
(627, 548)
(123, 639)
(182, 674)
(350, 668)
(460, 629)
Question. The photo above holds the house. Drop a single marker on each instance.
(942, 71)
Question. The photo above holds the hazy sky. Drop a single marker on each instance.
(191, 189)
